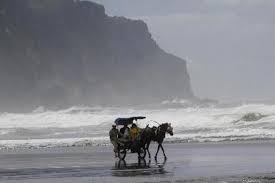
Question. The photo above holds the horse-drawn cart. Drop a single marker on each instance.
(141, 143)
(129, 145)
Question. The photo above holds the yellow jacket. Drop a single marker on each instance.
(134, 132)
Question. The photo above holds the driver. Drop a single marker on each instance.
(125, 132)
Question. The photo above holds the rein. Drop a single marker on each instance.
(155, 122)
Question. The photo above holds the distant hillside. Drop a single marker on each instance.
(59, 53)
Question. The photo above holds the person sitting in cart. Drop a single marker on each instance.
(125, 132)
(114, 134)
(134, 132)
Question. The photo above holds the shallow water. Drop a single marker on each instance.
(210, 162)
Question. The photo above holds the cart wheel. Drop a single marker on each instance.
(122, 153)
(142, 153)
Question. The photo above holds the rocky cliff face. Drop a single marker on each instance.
(59, 53)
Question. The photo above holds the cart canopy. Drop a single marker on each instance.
(127, 121)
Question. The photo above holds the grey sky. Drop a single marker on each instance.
(228, 44)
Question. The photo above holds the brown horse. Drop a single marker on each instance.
(156, 134)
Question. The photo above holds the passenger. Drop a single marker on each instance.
(134, 132)
(125, 132)
(114, 133)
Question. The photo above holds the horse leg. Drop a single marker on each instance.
(163, 151)
(157, 152)
(147, 148)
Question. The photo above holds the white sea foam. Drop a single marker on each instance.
(80, 126)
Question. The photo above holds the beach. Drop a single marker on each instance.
(187, 162)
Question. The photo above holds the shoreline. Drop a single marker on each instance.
(199, 162)
(91, 144)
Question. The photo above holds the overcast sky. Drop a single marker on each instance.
(229, 44)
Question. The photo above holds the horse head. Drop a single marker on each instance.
(169, 129)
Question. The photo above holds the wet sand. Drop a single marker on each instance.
(206, 162)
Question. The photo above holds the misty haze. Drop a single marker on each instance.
(227, 44)
(137, 91)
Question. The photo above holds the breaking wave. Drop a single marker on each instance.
(89, 126)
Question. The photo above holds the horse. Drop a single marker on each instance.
(156, 134)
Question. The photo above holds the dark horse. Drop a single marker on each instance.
(156, 134)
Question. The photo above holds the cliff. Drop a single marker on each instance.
(59, 53)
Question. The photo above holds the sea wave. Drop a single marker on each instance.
(88, 126)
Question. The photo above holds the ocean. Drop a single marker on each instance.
(89, 126)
